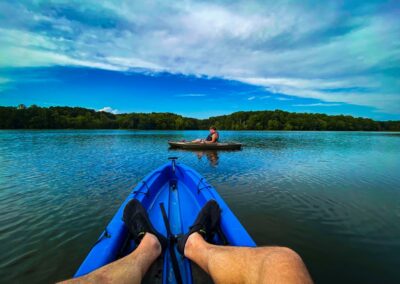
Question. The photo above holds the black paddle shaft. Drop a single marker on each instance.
(171, 242)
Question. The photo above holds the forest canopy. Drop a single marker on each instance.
(35, 117)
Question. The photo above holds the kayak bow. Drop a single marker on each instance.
(182, 192)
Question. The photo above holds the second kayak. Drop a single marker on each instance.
(205, 146)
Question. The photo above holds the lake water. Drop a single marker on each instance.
(334, 197)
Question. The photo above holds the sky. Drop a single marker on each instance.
(203, 58)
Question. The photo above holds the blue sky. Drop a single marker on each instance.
(203, 58)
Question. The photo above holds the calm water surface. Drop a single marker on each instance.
(334, 197)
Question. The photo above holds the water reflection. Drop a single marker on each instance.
(211, 155)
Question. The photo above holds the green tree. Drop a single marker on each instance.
(273, 124)
(66, 117)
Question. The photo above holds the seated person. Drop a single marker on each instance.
(211, 138)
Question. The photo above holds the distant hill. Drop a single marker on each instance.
(35, 117)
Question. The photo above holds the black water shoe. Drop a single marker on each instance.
(205, 224)
(138, 223)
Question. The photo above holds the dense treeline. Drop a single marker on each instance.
(35, 117)
(282, 120)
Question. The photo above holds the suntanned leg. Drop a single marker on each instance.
(246, 265)
(129, 269)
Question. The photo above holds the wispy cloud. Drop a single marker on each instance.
(5, 83)
(282, 46)
(109, 109)
(315, 105)
(251, 98)
(4, 80)
(283, 99)
(190, 95)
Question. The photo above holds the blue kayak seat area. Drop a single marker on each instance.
(183, 192)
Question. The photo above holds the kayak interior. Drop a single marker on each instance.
(183, 192)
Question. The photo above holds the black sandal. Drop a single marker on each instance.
(206, 223)
(138, 223)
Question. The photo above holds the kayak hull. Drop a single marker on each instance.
(205, 146)
(183, 192)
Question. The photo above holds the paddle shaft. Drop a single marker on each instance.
(171, 241)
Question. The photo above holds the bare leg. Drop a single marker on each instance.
(246, 265)
(129, 269)
(197, 140)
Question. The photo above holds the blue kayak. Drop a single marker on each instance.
(180, 192)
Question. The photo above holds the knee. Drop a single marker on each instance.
(284, 265)
(282, 255)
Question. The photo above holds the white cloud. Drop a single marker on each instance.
(307, 83)
(4, 80)
(326, 90)
(109, 109)
(251, 98)
(283, 99)
(190, 95)
(283, 46)
(315, 104)
(5, 83)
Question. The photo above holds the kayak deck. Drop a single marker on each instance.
(183, 192)
(205, 146)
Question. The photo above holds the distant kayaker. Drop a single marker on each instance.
(211, 138)
(225, 264)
